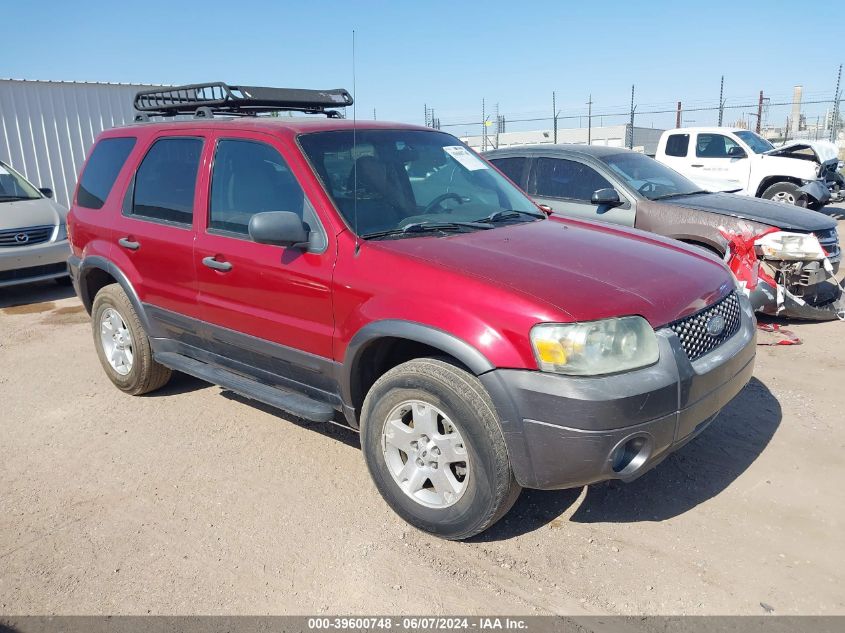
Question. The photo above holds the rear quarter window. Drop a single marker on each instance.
(513, 167)
(101, 171)
(677, 145)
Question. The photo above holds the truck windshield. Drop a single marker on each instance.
(650, 178)
(757, 143)
(392, 179)
(13, 186)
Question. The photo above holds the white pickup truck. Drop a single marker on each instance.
(730, 159)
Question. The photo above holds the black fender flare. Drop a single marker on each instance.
(96, 262)
(434, 337)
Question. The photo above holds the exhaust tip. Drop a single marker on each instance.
(630, 455)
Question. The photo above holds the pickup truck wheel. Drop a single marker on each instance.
(433, 445)
(786, 192)
(122, 344)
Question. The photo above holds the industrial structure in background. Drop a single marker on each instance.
(47, 127)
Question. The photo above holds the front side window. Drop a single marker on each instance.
(385, 180)
(677, 145)
(714, 146)
(166, 181)
(757, 143)
(13, 186)
(250, 177)
(561, 178)
(101, 171)
(652, 179)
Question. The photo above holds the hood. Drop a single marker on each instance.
(587, 270)
(818, 151)
(782, 216)
(19, 214)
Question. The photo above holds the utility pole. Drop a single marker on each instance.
(760, 113)
(678, 116)
(590, 121)
(497, 126)
(554, 115)
(631, 124)
(483, 127)
(834, 124)
(374, 114)
(722, 100)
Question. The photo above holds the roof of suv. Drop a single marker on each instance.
(296, 125)
(598, 151)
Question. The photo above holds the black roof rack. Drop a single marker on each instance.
(205, 100)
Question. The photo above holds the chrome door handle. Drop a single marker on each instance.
(216, 264)
(125, 242)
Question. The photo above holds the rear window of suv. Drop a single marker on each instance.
(102, 169)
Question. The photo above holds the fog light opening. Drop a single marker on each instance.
(630, 455)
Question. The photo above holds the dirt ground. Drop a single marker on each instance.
(193, 500)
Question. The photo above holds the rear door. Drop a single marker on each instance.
(567, 185)
(271, 305)
(154, 231)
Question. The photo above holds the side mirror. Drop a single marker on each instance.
(607, 197)
(546, 209)
(736, 152)
(282, 228)
(46, 192)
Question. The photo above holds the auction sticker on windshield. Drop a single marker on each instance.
(464, 157)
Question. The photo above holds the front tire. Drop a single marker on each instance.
(434, 447)
(784, 192)
(122, 344)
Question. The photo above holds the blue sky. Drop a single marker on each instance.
(448, 55)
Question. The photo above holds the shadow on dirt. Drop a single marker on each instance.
(697, 472)
(338, 431)
(29, 294)
(837, 213)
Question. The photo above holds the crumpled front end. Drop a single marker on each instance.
(788, 274)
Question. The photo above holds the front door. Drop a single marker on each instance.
(716, 166)
(567, 187)
(270, 306)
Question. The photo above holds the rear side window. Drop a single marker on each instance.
(250, 177)
(560, 178)
(102, 169)
(513, 168)
(166, 180)
(677, 145)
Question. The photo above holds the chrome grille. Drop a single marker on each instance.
(692, 330)
(26, 237)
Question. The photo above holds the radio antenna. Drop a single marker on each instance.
(354, 152)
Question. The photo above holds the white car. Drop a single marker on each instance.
(740, 161)
(33, 232)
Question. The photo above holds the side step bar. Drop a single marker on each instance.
(295, 403)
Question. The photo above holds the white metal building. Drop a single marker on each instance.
(47, 127)
(645, 138)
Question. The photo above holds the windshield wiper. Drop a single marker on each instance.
(509, 214)
(13, 198)
(678, 195)
(426, 227)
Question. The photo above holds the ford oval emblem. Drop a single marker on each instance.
(716, 325)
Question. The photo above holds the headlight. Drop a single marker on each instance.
(61, 234)
(789, 246)
(595, 347)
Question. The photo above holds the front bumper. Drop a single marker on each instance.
(26, 264)
(565, 431)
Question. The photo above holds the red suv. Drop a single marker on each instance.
(386, 273)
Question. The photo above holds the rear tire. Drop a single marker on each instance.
(784, 192)
(453, 479)
(122, 344)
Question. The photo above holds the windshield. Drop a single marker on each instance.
(757, 143)
(398, 178)
(13, 186)
(652, 179)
